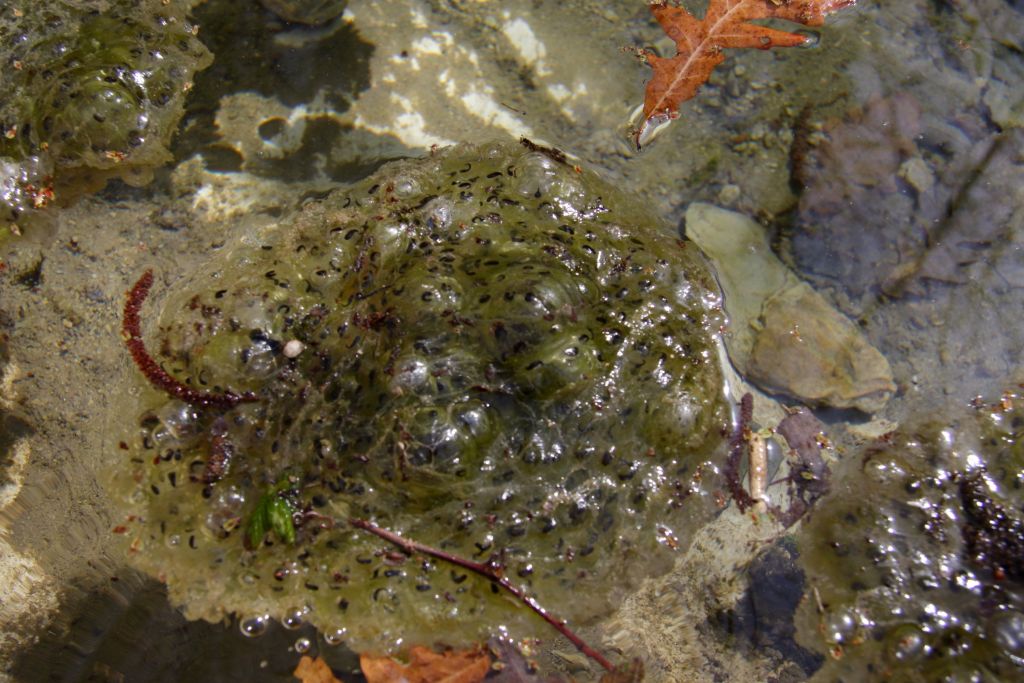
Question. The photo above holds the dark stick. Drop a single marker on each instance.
(488, 572)
(736, 444)
(131, 327)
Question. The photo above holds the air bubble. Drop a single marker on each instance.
(225, 510)
(907, 644)
(406, 187)
(335, 637)
(254, 627)
(294, 618)
(840, 626)
(178, 422)
(302, 645)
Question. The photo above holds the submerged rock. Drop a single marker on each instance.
(915, 558)
(487, 350)
(93, 90)
(784, 336)
(306, 11)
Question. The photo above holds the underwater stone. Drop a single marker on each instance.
(311, 12)
(915, 556)
(93, 90)
(784, 336)
(501, 357)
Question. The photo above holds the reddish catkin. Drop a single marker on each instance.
(131, 327)
(739, 439)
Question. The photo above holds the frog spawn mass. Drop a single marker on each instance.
(917, 559)
(486, 350)
(94, 89)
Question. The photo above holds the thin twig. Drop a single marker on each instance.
(490, 571)
(131, 327)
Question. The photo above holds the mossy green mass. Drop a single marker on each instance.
(486, 350)
(92, 89)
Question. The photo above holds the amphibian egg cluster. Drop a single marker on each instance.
(916, 561)
(487, 350)
(93, 89)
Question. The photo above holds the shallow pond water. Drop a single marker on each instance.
(885, 168)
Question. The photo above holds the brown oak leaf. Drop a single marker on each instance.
(427, 666)
(312, 670)
(700, 42)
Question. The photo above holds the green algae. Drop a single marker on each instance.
(486, 350)
(916, 560)
(95, 91)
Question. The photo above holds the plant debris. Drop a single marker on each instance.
(427, 666)
(700, 42)
(809, 475)
(494, 571)
(131, 329)
(312, 670)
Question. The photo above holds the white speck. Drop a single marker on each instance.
(293, 348)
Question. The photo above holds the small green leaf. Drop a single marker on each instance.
(273, 513)
(279, 512)
(256, 529)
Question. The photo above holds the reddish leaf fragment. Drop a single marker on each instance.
(312, 670)
(427, 666)
(699, 45)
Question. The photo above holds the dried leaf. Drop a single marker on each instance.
(699, 45)
(426, 666)
(312, 670)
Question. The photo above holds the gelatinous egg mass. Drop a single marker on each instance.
(915, 561)
(92, 90)
(487, 350)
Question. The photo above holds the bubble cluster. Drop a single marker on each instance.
(915, 557)
(500, 357)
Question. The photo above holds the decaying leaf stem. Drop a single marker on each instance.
(491, 572)
(131, 328)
